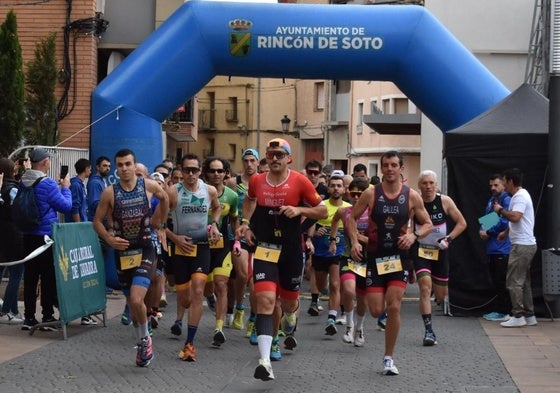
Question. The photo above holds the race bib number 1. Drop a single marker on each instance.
(130, 259)
(268, 252)
(390, 264)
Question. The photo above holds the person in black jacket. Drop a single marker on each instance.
(11, 243)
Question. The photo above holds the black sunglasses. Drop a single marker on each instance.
(212, 170)
(278, 154)
(190, 169)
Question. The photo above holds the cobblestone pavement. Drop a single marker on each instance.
(102, 359)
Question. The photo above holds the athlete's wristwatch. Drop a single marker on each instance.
(415, 233)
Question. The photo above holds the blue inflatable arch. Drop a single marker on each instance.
(402, 44)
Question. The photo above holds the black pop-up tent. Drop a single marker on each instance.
(513, 133)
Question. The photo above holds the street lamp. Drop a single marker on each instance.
(285, 123)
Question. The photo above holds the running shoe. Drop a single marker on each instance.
(275, 354)
(28, 324)
(349, 335)
(250, 327)
(531, 321)
(177, 328)
(514, 322)
(382, 322)
(290, 342)
(264, 371)
(219, 338)
(144, 352)
(359, 339)
(389, 367)
(496, 316)
(331, 328)
(53, 326)
(238, 319)
(163, 302)
(188, 353)
(341, 320)
(429, 339)
(228, 321)
(313, 309)
(88, 320)
(288, 323)
(253, 340)
(10, 319)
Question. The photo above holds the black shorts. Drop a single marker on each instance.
(322, 264)
(286, 272)
(437, 269)
(144, 270)
(379, 282)
(184, 267)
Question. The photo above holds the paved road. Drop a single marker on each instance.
(102, 359)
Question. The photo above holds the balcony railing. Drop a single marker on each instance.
(231, 115)
(207, 119)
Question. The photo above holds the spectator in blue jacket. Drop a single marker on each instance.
(96, 184)
(78, 190)
(498, 251)
(50, 199)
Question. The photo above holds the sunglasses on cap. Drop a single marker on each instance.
(278, 154)
(212, 170)
(190, 169)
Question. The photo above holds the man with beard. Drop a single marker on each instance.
(271, 221)
(391, 205)
(325, 264)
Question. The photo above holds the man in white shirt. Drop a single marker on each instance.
(521, 218)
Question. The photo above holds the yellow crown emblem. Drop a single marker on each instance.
(240, 24)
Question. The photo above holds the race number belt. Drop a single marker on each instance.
(268, 252)
(428, 252)
(218, 244)
(130, 259)
(357, 267)
(390, 264)
(179, 251)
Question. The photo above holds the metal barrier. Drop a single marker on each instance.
(551, 280)
(62, 156)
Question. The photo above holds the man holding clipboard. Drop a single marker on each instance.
(497, 251)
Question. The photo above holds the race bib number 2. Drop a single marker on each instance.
(130, 259)
(390, 264)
